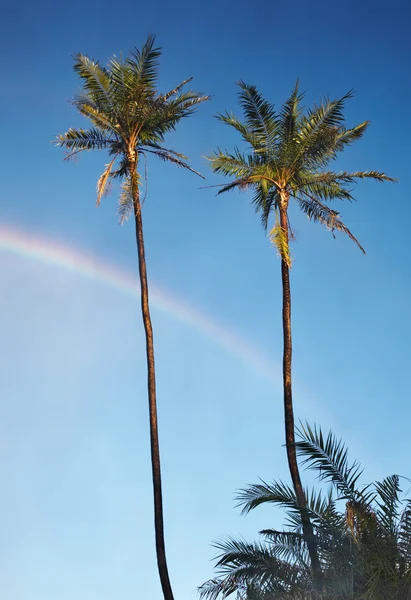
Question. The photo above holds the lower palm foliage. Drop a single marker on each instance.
(363, 535)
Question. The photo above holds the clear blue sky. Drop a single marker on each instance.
(75, 506)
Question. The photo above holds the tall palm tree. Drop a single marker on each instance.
(363, 536)
(129, 118)
(287, 159)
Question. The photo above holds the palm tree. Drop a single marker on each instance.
(129, 118)
(287, 158)
(363, 536)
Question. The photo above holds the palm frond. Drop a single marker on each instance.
(288, 546)
(100, 120)
(279, 239)
(289, 116)
(173, 158)
(175, 91)
(388, 515)
(246, 133)
(102, 184)
(318, 212)
(260, 116)
(329, 456)
(83, 139)
(236, 165)
(96, 81)
(144, 64)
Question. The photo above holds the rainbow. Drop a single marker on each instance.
(47, 252)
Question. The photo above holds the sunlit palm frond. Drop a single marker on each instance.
(279, 239)
(104, 121)
(247, 134)
(260, 116)
(237, 165)
(345, 137)
(289, 117)
(103, 182)
(96, 81)
(318, 212)
(144, 64)
(83, 139)
(171, 157)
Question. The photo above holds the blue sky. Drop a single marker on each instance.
(76, 500)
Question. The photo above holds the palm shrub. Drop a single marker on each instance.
(129, 119)
(363, 534)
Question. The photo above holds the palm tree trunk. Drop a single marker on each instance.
(289, 411)
(152, 401)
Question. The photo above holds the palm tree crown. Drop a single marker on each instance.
(129, 117)
(289, 156)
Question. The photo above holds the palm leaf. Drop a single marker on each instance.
(279, 239)
(96, 81)
(102, 187)
(144, 64)
(260, 116)
(329, 456)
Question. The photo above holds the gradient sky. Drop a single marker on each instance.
(75, 506)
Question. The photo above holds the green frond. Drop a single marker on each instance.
(317, 133)
(316, 211)
(172, 158)
(175, 91)
(102, 184)
(96, 80)
(279, 239)
(246, 133)
(260, 116)
(345, 137)
(265, 201)
(144, 64)
(214, 588)
(351, 177)
(289, 117)
(83, 139)
(281, 494)
(289, 546)
(388, 502)
(236, 165)
(175, 109)
(255, 564)
(329, 456)
(100, 120)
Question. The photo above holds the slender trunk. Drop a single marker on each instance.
(152, 402)
(308, 531)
